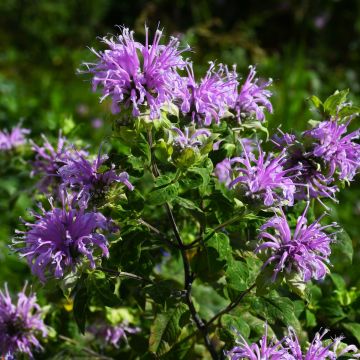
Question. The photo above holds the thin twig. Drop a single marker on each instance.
(188, 280)
(85, 349)
(214, 231)
(158, 233)
(188, 276)
(125, 274)
(231, 306)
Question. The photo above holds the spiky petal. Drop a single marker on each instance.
(206, 101)
(85, 177)
(49, 159)
(13, 139)
(60, 238)
(21, 325)
(253, 97)
(262, 178)
(334, 146)
(265, 350)
(306, 250)
(134, 75)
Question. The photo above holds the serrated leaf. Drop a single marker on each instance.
(103, 290)
(205, 175)
(275, 308)
(163, 194)
(187, 204)
(237, 323)
(296, 284)
(221, 243)
(237, 276)
(166, 328)
(265, 282)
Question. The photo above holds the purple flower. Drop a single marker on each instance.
(308, 174)
(184, 139)
(59, 239)
(49, 160)
(317, 350)
(86, 177)
(261, 178)
(20, 324)
(305, 250)
(336, 149)
(113, 334)
(253, 97)
(135, 75)
(283, 139)
(207, 101)
(262, 351)
(289, 349)
(13, 139)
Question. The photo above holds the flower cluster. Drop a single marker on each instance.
(48, 161)
(60, 238)
(269, 351)
(336, 148)
(135, 75)
(20, 324)
(327, 153)
(13, 139)
(289, 348)
(262, 178)
(113, 334)
(85, 177)
(207, 101)
(307, 249)
(253, 98)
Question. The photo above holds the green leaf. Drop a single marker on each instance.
(237, 276)
(257, 325)
(316, 101)
(187, 204)
(349, 110)
(205, 175)
(310, 319)
(166, 329)
(103, 289)
(162, 150)
(162, 195)
(185, 158)
(236, 322)
(296, 284)
(354, 329)
(161, 291)
(338, 281)
(80, 309)
(274, 308)
(264, 281)
(221, 243)
(333, 102)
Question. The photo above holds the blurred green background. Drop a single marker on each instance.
(307, 47)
